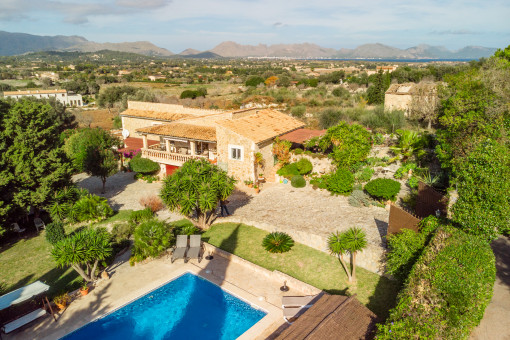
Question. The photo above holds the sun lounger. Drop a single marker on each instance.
(39, 223)
(17, 228)
(195, 244)
(13, 325)
(297, 301)
(180, 247)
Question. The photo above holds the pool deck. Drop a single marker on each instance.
(127, 283)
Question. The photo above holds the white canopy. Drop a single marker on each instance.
(22, 294)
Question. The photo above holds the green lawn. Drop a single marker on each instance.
(29, 260)
(306, 264)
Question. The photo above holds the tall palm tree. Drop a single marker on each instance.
(353, 241)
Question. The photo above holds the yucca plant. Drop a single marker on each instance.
(277, 242)
(83, 251)
(350, 241)
(410, 144)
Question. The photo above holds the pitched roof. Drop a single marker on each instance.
(301, 135)
(188, 131)
(263, 125)
(168, 116)
(333, 317)
(31, 92)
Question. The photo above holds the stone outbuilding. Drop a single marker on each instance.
(404, 96)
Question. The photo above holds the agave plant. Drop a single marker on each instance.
(429, 179)
(277, 242)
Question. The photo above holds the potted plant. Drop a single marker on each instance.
(84, 290)
(257, 189)
(250, 184)
(62, 300)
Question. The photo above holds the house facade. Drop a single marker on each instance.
(173, 134)
(66, 98)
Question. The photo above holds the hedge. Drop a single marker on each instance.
(143, 165)
(447, 290)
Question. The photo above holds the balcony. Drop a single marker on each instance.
(158, 154)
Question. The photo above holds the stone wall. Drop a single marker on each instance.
(241, 169)
(266, 150)
(131, 124)
(371, 259)
(160, 107)
(320, 165)
(397, 102)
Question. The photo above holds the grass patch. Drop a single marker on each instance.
(119, 216)
(29, 260)
(306, 264)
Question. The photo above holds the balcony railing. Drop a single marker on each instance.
(164, 157)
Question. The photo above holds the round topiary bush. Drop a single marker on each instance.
(304, 166)
(383, 188)
(298, 181)
(341, 182)
(143, 165)
(55, 232)
(277, 242)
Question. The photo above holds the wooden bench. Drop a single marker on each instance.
(27, 318)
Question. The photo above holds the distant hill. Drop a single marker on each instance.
(20, 43)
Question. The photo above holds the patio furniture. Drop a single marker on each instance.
(297, 301)
(39, 223)
(17, 228)
(195, 244)
(180, 247)
(20, 295)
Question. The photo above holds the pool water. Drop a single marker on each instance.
(188, 307)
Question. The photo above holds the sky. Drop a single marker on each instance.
(202, 24)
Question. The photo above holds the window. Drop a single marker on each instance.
(235, 152)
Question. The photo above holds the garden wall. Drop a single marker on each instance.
(320, 165)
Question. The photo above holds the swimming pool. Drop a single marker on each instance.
(188, 307)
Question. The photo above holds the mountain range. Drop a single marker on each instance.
(20, 43)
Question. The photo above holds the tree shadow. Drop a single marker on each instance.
(501, 248)
(237, 200)
(114, 184)
(384, 297)
(382, 228)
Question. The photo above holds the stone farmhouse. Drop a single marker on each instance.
(66, 98)
(403, 96)
(172, 134)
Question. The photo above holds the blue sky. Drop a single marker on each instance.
(202, 24)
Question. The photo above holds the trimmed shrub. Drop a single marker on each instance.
(304, 166)
(447, 290)
(152, 238)
(143, 165)
(297, 151)
(55, 232)
(288, 170)
(341, 182)
(277, 242)
(359, 199)
(383, 188)
(298, 181)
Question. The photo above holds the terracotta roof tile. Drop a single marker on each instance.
(168, 116)
(263, 125)
(301, 135)
(188, 131)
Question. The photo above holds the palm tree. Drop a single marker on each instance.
(336, 247)
(410, 144)
(353, 241)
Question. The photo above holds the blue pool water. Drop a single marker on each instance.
(188, 307)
